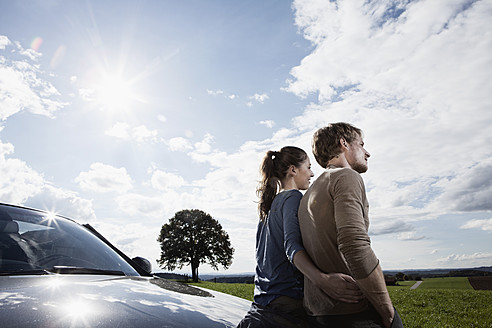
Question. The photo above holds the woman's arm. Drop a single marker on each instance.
(338, 286)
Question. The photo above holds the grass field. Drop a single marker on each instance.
(446, 283)
(437, 283)
(408, 283)
(444, 303)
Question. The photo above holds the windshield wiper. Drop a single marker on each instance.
(63, 270)
(25, 272)
(81, 270)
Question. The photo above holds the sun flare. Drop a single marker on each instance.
(115, 92)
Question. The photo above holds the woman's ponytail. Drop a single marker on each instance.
(273, 169)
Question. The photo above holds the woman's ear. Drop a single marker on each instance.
(292, 170)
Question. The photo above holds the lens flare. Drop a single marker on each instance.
(36, 43)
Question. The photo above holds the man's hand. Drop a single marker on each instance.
(340, 287)
(376, 291)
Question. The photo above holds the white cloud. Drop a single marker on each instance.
(119, 130)
(409, 235)
(134, 239)
(260, 97)
(179, 144)
(469, 190)
(215, 92)
(391, 226)
(139, 133)
(142, 134)
(4, 41)
(21, 88)
(63, 202)
(465, 260)
(23, 84)
(105, 178)
(32, 54)
(163, 180)
(485, 225)
(268, 123)
(204, 146)
(18, 181)
(162, 118)
(220, 92)
(150, 206)
(21, 185)
(87, 94)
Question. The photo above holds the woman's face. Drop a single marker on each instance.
(303, 175)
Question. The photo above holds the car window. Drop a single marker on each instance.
(36, 240)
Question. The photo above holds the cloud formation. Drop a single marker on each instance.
(415, 76)
(23, 85)
(105, 178)
(161, 180)
(140, 133)
(464, 260)
(485, 225)
(18, 181)
(409, 74)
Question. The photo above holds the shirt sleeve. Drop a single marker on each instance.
(353, 241)
(292, 232)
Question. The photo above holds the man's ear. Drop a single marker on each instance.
(343, 143)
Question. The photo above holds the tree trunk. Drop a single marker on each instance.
(194, 271)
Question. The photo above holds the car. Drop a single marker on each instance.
(55, 272)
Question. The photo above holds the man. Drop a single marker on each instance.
(333, 218)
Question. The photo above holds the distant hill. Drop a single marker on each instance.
(170, 275)
(434, 273)
(244, 278)
(248, 278)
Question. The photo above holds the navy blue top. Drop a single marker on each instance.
(277, 240)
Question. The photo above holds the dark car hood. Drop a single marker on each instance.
(109, 301)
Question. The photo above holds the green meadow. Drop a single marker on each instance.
(437, 302)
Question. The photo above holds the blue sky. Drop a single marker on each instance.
(121, 113)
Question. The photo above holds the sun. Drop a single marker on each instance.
(115, 92)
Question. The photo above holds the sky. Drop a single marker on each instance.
(122, 113)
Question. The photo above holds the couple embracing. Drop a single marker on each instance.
(314, 263)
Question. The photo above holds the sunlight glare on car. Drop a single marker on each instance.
(50, 217)
(78, 312)
(54, 283)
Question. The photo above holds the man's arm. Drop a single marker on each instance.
(374, 287)
(338, 286)
(355, 244)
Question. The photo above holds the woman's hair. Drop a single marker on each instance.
(273, 169)
(326, 141)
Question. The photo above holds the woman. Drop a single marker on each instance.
(278, 282)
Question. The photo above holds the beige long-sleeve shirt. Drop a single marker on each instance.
(333, 218)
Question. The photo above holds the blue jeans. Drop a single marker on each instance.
(283, 312)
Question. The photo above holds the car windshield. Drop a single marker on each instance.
(33, 242)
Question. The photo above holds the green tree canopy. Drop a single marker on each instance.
(194, 237)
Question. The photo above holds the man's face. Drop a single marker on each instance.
(357, 156)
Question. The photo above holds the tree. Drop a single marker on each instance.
(194, 237)
(400, 276)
